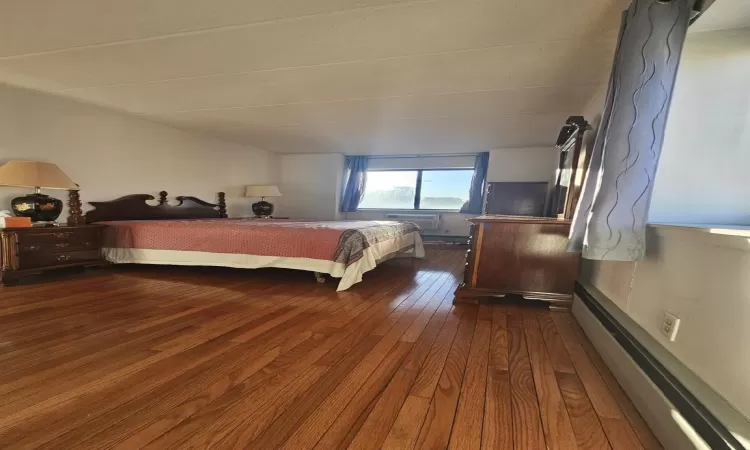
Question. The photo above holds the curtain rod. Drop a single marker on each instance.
(440, 155)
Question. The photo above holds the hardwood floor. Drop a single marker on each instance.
(168, 358)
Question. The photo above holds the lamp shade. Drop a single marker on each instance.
(260, 190)
(35, 175)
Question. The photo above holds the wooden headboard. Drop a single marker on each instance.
(134, 207)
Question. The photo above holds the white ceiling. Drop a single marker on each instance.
(350, 76)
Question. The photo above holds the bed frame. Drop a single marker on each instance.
(134, 207)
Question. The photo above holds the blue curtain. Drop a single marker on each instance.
(355, 184)
(476, 194)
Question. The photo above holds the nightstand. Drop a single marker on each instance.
(31, 251)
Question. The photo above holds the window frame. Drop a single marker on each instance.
(417, 189)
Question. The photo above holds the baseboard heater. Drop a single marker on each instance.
(427, 222)
(461, 240)
(713, 432)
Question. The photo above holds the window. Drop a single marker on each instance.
(443, 189)
(392, 189)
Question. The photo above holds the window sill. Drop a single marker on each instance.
(730, 236)
(726, 230)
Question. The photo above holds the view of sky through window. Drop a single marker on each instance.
(445, 189)
(396, 189)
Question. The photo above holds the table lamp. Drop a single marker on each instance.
(39, 207)
(262, 208)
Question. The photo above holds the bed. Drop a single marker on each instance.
(193, 232)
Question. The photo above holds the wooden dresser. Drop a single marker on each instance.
(30, 251)
(527, 255)
(519, 255)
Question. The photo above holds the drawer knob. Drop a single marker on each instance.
(32, 248)
(63, 258)
(61, 235)
(62, 245)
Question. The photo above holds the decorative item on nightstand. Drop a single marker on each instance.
(41, 208)
(262, 208)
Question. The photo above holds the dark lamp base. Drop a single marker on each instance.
(39, 207)
(263, 209)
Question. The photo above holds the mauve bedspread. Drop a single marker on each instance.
(332, 247)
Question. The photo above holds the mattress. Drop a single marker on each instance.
(343, 249)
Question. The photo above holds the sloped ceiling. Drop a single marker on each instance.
(350, 76)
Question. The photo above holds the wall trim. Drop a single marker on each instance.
(599, 325)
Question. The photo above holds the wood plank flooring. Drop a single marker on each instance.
(178, 358)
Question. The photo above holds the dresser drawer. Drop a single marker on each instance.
(59, 241)
(37, 261)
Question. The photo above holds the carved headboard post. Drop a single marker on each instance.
(163, 197)
(75, 216)
(222, 205)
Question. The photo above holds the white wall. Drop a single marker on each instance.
(705, 161)
(311, 185)
(424, 162)
(110, 154)
(702, 278)
(452, 224)
(702, 178)
(523, 164)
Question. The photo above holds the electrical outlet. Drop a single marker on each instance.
(670, 325)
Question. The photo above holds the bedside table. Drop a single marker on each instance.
(31, 251)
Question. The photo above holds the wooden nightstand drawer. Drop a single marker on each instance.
(48, 260)
(59, 240)
(31, 251)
